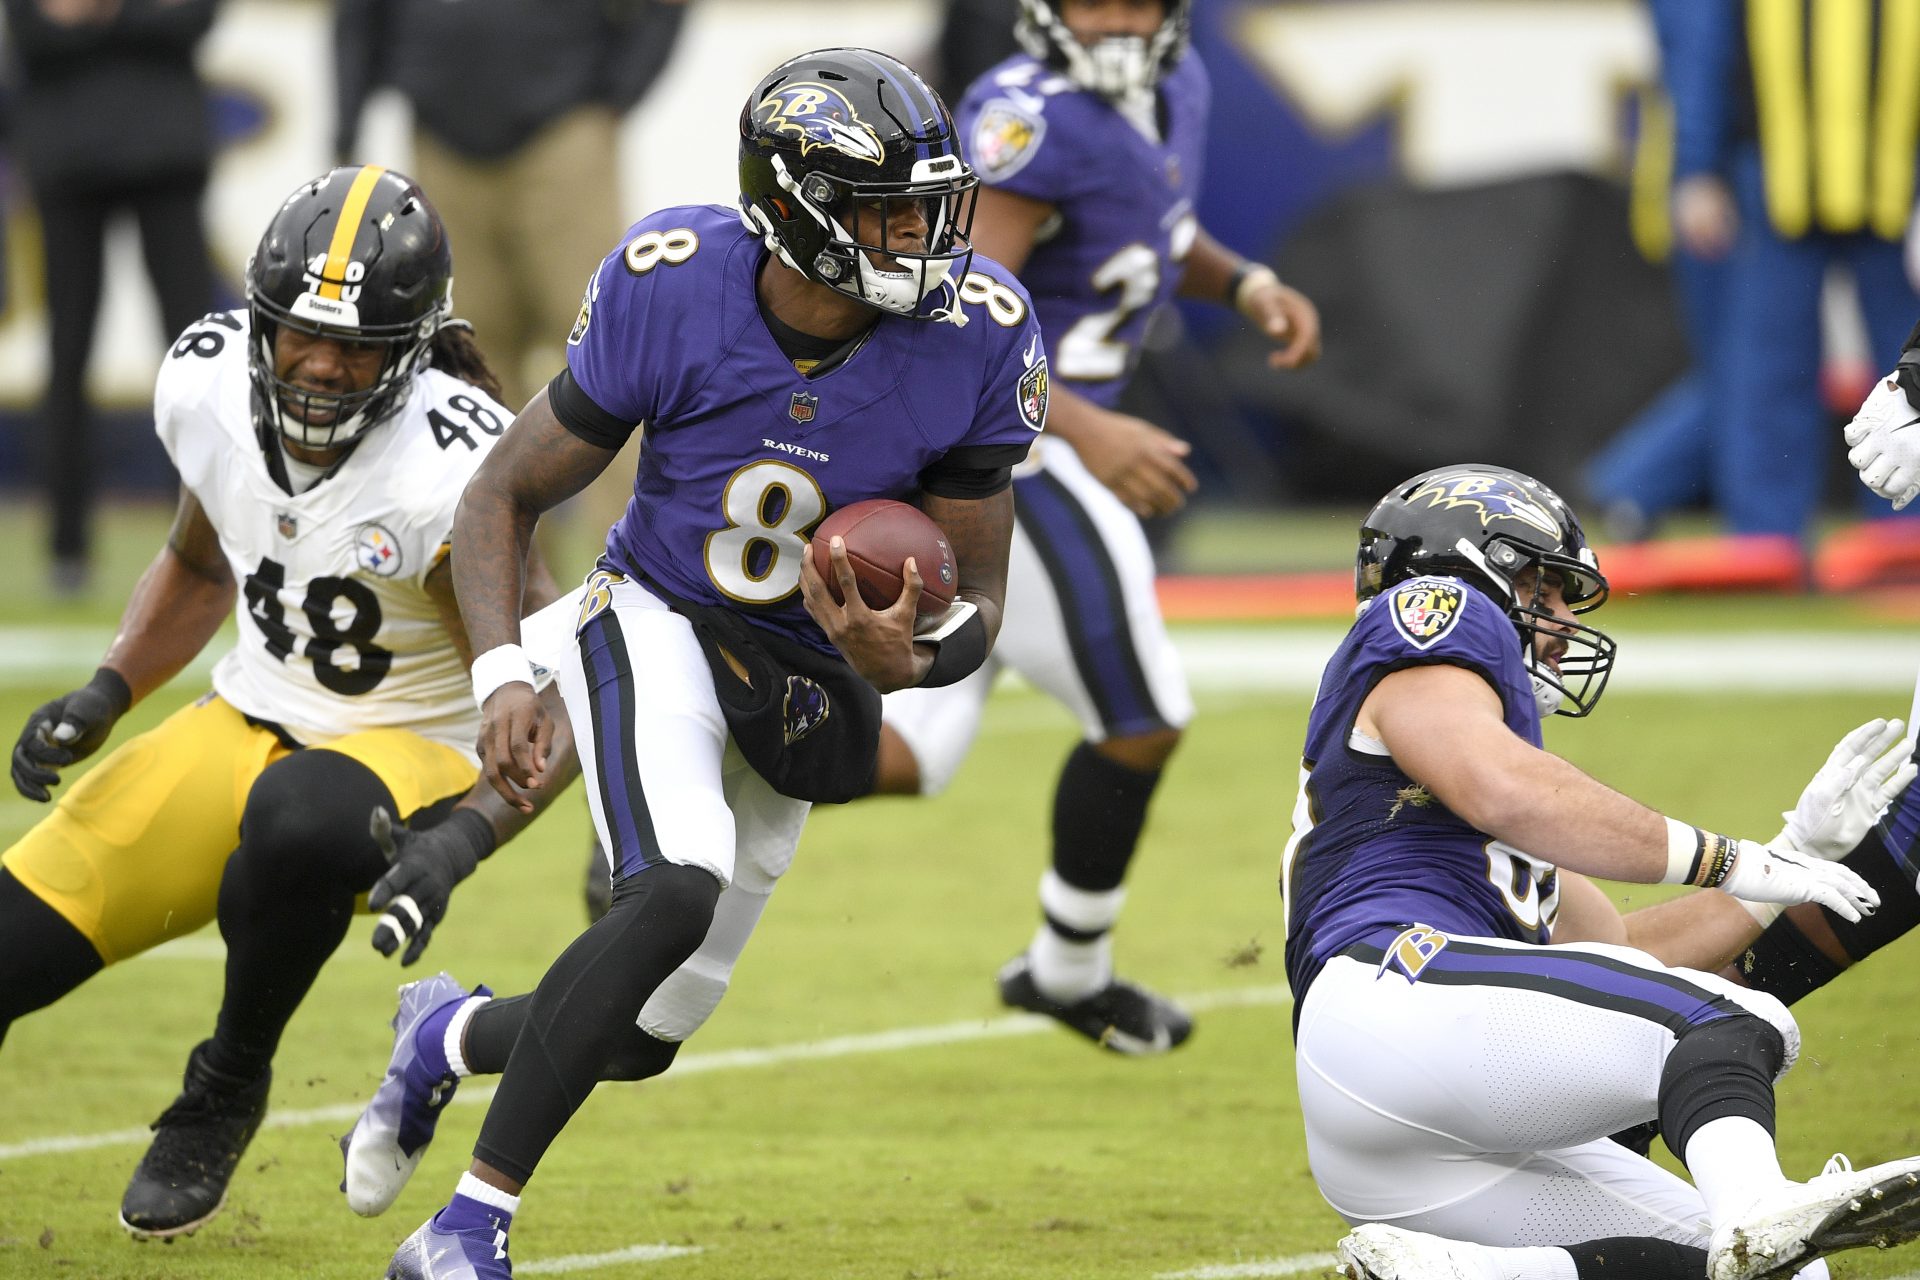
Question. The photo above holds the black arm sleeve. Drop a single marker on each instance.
(579, 414)
(973, 471)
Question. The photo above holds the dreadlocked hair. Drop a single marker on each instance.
(454, 351)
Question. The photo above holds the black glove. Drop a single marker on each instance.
(412, 896)
(1907, 372)
(67, 729)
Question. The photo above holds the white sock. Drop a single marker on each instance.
(1535, 1263)
(1062, 968)
(1487, 1262)
(454, 1044)
(1733, 1163)
(488, 1194)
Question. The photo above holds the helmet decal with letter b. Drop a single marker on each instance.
(838, 135)
(1488, 526)
(357, 255)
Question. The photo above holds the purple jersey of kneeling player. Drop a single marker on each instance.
(1125, 203)
(744, 454)
(1371, 847)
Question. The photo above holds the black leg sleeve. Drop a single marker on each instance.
(1099, 810)
(43, 958)
(582, 1013)
(1798, 954)
(1719, 1069)
(497, 1023)
(287, 895)
(1637, 1258)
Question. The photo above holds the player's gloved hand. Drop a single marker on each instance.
(67, 729)
(412, 896)
(1884, 441)
(1867, 771)
(1774, 873)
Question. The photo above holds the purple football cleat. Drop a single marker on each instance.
(472, 1253)
(387, 1141)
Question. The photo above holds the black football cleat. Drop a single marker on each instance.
(1120, 1017)
(182, 1180)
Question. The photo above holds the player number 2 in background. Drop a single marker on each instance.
(769, 506)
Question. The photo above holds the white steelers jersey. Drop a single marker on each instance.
(337, 631)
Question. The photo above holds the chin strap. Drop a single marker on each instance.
(951, 312)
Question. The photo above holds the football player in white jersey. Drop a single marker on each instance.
(323, 436)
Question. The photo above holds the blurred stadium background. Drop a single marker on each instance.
(1447, 180)
(1450, 180)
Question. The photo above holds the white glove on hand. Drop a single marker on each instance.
(1884, 439)
(1765, 873)
(1866, 772)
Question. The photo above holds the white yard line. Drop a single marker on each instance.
(1258, 1267)
(1021, 1024)
(591, 1261)
(1289, 659)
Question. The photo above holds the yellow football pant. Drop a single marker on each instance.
(133, 853)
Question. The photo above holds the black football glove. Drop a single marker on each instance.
(1907, 372)
(412, 896)
(65, 730)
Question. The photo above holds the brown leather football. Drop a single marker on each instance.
(881, 535)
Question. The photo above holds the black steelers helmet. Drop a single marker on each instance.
(1115, 67)
(1488, 525)
(833, 130)
(356, 254)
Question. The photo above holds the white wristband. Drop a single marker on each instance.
(504, 664)
(1697, 857)
(1259, 278)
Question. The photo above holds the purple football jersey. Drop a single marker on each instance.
(1370, 846)
(743, 454)
(1126, 205)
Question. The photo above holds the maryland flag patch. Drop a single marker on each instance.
(1005, 137)
(1425, 609)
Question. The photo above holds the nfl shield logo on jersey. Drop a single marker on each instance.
(377, 550)
(803, 406)
(286, 524)
(1425, 609)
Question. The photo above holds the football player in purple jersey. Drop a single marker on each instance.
(1473, 1016)
(828, 339)
(1090, 147)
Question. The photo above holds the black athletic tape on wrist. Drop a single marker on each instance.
(958, 655)
(475, 832)
(1715, 859)
(112, 686)
(1241, 274)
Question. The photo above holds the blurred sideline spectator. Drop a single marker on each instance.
(974, 35)
(1661, 460)
(1796, 143)
(109, 116)
(516, 111)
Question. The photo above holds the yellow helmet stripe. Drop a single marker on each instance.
(352, 210)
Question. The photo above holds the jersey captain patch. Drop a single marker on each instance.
(1425, 609)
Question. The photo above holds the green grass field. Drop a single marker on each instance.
(803, 1133)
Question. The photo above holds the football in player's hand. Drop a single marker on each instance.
(881, 535)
